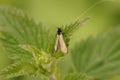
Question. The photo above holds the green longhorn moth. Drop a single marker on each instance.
(60, 43)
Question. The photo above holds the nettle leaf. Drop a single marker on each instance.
(69, 29)
(14, 52)
(39, 56)
(42, 61)
(24, 69)
(17, 28)
(98, 56)
(17, 69)
(78, 76)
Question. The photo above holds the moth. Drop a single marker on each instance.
(60, 43)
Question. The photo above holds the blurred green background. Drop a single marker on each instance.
(103, 14)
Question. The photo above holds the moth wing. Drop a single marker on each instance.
(63, 46)
(56, 46)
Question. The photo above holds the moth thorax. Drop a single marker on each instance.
(59, 31)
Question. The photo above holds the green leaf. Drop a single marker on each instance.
(17, 28)
(11, 47)
(24, 69)
(39, 56)
(69, 29)
(98, 56)
(43, 61)
(17, 69)
(78, 76)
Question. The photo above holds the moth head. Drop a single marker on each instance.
(59, 31)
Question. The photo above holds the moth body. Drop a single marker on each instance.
(60, 43)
